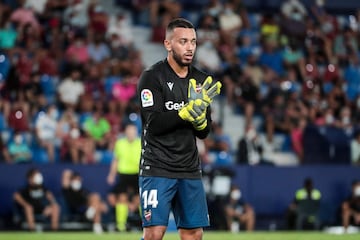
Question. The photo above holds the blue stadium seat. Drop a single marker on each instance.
(39, 155)
(106, 157)
(49, 85)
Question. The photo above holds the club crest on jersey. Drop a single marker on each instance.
(198, 88)
(147, 99)
(147, 215)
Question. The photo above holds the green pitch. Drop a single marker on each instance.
(174, 236)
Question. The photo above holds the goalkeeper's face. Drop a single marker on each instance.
(181, 45)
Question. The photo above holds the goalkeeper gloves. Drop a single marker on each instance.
(199, 98)
(206, 92)
(195, 112)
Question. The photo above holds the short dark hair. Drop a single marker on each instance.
(75, 175)
(178, 23)
(31, 172)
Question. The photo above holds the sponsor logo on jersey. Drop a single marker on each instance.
(170, 105)
(147, 99)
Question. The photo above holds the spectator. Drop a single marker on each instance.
(77, 51)
(230, 22)
(120, 25)
(98, 129)
(293, 55)
(297, 137)
(218, 146)
(351, 77)
(355, 149)
(46, 131)
(214, 7)
(247, 95)
(19, 115)
(34, 94)
(71, 143)
(248, 48)
(271, 55)
(250, 149)
(269, 26)
(19, 150)
(82, 202)
(208, 58)
(124, 196)
(230, 78)
(98, 18)
(350, 208)
(208, 30)
(345, 44)
(124, 91)
(305, 207)
(78, 147)
(276, 118)
(161, 12)
(238, 211)
(99, 51)
(317, 45)
(93, 82)
(24, 15)
(34, 199)
(115, 119)
(294, 9)
(71, 89)
(8, 36)
(76, 15)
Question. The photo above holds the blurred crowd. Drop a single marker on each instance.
(69, 69)
(68, 80)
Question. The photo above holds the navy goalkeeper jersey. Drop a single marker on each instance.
(168, 142)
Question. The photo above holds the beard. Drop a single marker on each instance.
(179, 60)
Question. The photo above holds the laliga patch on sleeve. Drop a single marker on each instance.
(147, 99)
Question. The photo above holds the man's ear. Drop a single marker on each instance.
(167, 45)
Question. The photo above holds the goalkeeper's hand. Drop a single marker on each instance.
(195, 112)
(206, 92)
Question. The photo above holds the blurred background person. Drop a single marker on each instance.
(238, 212)
(250, 148)
(304, 209)
(125, 165)
(82, 202)
(98, 128)
(36, 200)
(19, 150)
(355, 149)
(46, 131)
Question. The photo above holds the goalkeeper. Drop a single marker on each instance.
(175, 99)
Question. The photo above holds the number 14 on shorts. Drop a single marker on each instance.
(150, 198)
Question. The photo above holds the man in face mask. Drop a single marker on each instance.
(237, 211)
(81, 202)
(34, 199)
(19, 150)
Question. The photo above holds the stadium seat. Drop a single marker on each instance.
(39, 155)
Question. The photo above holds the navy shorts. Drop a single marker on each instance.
(127, 183)
(184, 197)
